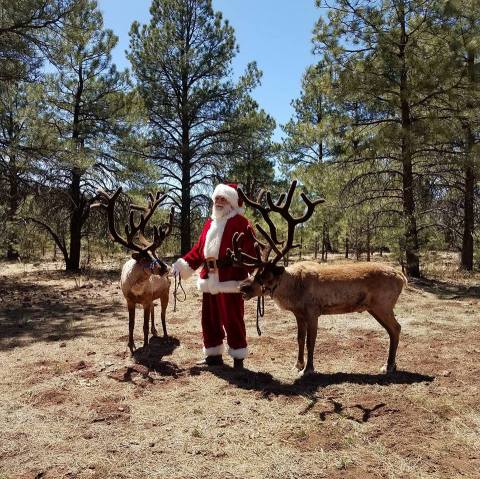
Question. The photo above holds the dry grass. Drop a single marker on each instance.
(74, 405)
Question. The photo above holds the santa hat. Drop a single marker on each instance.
(229, 192)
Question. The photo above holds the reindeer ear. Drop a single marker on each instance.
(278, 270)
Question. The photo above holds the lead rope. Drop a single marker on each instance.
(260, 312)
(178, 284)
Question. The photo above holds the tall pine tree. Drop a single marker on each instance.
(182, 62)
(86, 110)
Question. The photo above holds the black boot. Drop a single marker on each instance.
(212, 361)
(237, 363)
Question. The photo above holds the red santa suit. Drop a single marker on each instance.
(222, 305)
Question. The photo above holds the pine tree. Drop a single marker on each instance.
(182, 62)
(305, 141)
(250, 150)
(391, 66)
(18, 148)
(86, 112)
(462, 106)
(27, 30)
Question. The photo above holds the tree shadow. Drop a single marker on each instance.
(32, 312)
(355, 412)
(98, 274)
(445, 289)
(307, 386)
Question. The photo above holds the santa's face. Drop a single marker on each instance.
(221, 207)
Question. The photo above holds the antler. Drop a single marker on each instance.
(281, 207)
(240, 257)
(271, 238)
(132, 229)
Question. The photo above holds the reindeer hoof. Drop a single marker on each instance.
(306, 372)
(299, 366)
(131, 346)
(388, 369)
(154, 333)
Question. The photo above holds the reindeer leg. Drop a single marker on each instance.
(152, 316)
(164, 304)
(146, 318)
(312, 326)
(131, 326)
(388, 321)
(301, 335)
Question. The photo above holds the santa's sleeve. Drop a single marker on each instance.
(187, 265)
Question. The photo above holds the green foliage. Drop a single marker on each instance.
(89, 115)
(27, 30)
(182, 63)
(251, 149)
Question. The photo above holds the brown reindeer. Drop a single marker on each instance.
(309, 289)
(144, 277)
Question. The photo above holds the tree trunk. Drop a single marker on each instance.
(468, 211)
(76, 200)
(469, 183)
(301, 245)
(185, 214)
(346, 247)
(76, 223)
(411, 232)
(323, 243)
(369, 240)
(13, 204)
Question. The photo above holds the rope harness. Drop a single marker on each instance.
(177, 286)
(260, 312)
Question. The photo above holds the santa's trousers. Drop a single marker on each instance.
(223, 313)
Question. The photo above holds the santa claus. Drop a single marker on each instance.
(219, 279)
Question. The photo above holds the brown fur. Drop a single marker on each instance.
(141, 286)
(309, 289)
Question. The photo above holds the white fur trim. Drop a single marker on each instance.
(213, 286)
(240, 353)
(230, 214)
(183, 268)
(229, 193)
(214, 235)
(214, 351)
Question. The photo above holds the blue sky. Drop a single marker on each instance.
(274, 33)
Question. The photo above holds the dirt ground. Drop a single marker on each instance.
(74, 404)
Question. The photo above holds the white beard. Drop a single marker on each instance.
(218, 212)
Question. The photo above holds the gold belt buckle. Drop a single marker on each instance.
(211, 264)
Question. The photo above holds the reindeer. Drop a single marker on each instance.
(309, 289)
(144, 277)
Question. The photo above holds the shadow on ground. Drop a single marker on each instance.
(152, 359)
(445, 289)
(306, 386)
(32, 312)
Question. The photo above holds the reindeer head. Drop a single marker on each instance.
(267, 274)
(144, 251)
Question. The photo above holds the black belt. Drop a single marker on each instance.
(219, 263)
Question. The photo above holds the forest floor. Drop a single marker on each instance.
(74, 404)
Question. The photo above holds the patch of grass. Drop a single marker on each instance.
(301, 435)
(343, 463)
(256, 424)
